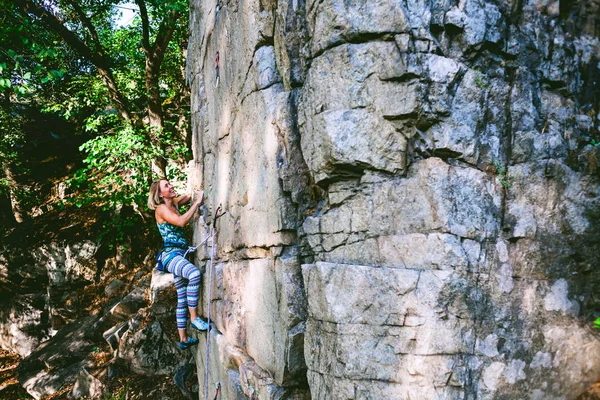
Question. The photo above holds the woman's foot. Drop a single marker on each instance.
(199, 324)
(190, 342)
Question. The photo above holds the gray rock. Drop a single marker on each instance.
(341, 138)
(334, 22)
(113, 287)
(161, 281)
(22, 328)
(431, 164)
(557, 299)
(455, 18)
(87, 385)
(148, 350)
(59, 361)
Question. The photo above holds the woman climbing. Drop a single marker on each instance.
(165, 203)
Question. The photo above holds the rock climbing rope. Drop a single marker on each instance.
(213, 230)
(192, 249)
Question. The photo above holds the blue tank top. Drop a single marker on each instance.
(173, 236)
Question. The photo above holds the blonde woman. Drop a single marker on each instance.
(165, 203)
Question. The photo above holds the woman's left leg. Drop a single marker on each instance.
(182, 306)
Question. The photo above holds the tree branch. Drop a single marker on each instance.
(96, 57)
(90, 27)
(145, 26)
(164, 36)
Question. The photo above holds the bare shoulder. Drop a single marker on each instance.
(159, 212)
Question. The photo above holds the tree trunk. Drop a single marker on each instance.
(15, 205)
(154, 56)
(155, 117)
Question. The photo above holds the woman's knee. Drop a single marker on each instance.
(194, 276)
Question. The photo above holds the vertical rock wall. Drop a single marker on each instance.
(412, 194)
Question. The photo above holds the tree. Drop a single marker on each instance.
(31, 60)
(94, 26)
(122, 87)
(109, 80)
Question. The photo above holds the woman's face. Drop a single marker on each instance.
(167, 191)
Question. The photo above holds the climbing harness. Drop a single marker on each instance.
(216, 70)
(161, 264)
(213, 231)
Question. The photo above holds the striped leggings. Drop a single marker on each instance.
(187, 283)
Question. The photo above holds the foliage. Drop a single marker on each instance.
(84, 101)
(14, 123)
(76, 60)
(118, 168)
(597, 323)
(32, 58)
(12, 135)
(480, 80)
(32, 62)
(502, 175)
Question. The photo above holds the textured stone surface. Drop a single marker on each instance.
(87, 385)
(37, 285)
(431, 165)
(58, 362)
(24, 326)
(148, 350)
(134, 333)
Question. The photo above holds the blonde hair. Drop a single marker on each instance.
(154, 199)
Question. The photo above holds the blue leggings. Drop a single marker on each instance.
(187, 283)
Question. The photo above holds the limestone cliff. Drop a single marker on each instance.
(412, 195)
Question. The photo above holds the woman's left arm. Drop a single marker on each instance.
(182, 199)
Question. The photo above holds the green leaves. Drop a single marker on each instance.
(33, 57)
(503, 175)
(119, 168)
(70, 75)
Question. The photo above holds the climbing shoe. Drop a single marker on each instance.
(190, 342)
(199, 324)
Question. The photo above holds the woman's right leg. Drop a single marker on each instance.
(186, 294)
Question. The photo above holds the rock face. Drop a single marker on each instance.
(131, 331)
(39, 283)
(412, 197)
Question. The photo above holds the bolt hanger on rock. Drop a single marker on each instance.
(216, 70)
(218, 389)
